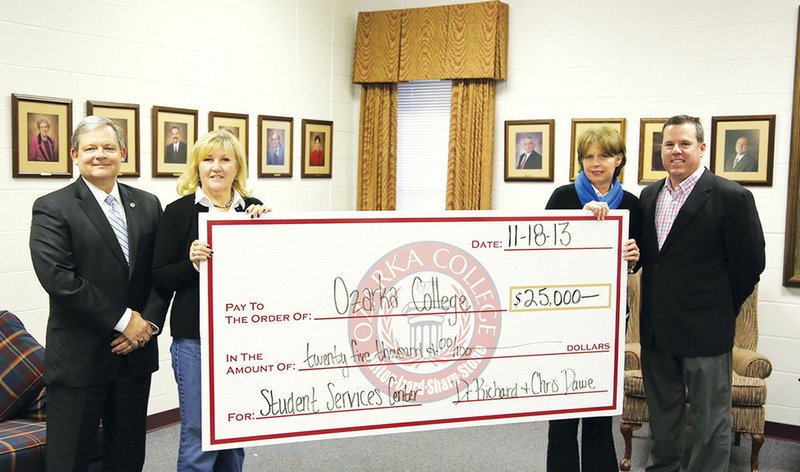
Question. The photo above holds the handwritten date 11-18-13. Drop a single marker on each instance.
(539, 235)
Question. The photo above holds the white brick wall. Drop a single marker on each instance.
(649, 59)
(576, 58)
(286, 58)
(644, 59)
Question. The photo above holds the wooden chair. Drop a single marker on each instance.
(750, 368)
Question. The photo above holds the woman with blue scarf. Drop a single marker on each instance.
(601, 155)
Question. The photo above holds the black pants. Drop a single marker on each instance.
(73, 416)
(597, 446)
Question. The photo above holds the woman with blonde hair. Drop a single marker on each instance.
(214, 181)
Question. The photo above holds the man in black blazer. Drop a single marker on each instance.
(94, 256)
(175, 151)
(702, 254)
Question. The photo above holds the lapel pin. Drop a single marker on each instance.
(133, 205)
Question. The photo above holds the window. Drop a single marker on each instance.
(423, 134)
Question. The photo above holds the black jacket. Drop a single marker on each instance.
(693, 288)
(172, 269)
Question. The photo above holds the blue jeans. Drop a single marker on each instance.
(191, 457)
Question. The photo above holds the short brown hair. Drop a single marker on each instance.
(683, 119)
(608, 139)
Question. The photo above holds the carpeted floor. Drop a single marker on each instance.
(516, 447)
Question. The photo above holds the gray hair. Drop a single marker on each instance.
(91, 123)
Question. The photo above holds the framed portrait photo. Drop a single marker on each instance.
(529, 150)
(174, 134)
(581, 125)
(791, 248)
(317, 149)
(742, 148)
(237, 124)
(651, 168)
(41, 128)
(275, 146)
(126, 116)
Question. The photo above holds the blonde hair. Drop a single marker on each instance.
(189, 181)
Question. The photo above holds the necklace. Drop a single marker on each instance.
(228, 205)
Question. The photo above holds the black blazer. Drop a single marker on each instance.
(171, 157)
(172, 269)
(534, 161)
(693, 288)
(78, 261)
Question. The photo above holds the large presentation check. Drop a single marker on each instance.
(325, 325)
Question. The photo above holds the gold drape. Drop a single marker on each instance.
(465, 41)
(469, 165)
(377, 53)
(377, 147)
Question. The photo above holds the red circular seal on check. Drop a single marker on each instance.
(428, 321)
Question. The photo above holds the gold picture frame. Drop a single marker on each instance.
(41, 128)
(529, 150)
(579, 126)
(275, 146)
(742, 148)
(126, 116)
(237, 123)
(171, 163)
(317, 149)
(791, 254)
(651, 167)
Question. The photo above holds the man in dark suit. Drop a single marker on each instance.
(702, 254)
(175, 152)
(92, 248)
(529, 159)
(743, 160)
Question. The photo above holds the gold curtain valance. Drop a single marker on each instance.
(465, 41)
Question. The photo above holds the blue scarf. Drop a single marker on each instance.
(587, 193)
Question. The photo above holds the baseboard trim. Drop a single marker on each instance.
(163, 419)
(788, 432)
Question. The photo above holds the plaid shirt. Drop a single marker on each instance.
(669, 203)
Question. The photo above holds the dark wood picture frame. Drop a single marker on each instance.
(791, 258)
(165, 118)
(32, 155)
(237, 123)
(126, 116)
(756, 133)
(312, 131)
(539, 165)
(651, 168)
(580, 125)
(283, 128)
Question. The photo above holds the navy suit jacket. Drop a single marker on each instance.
(694, 286)
(79, 262)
